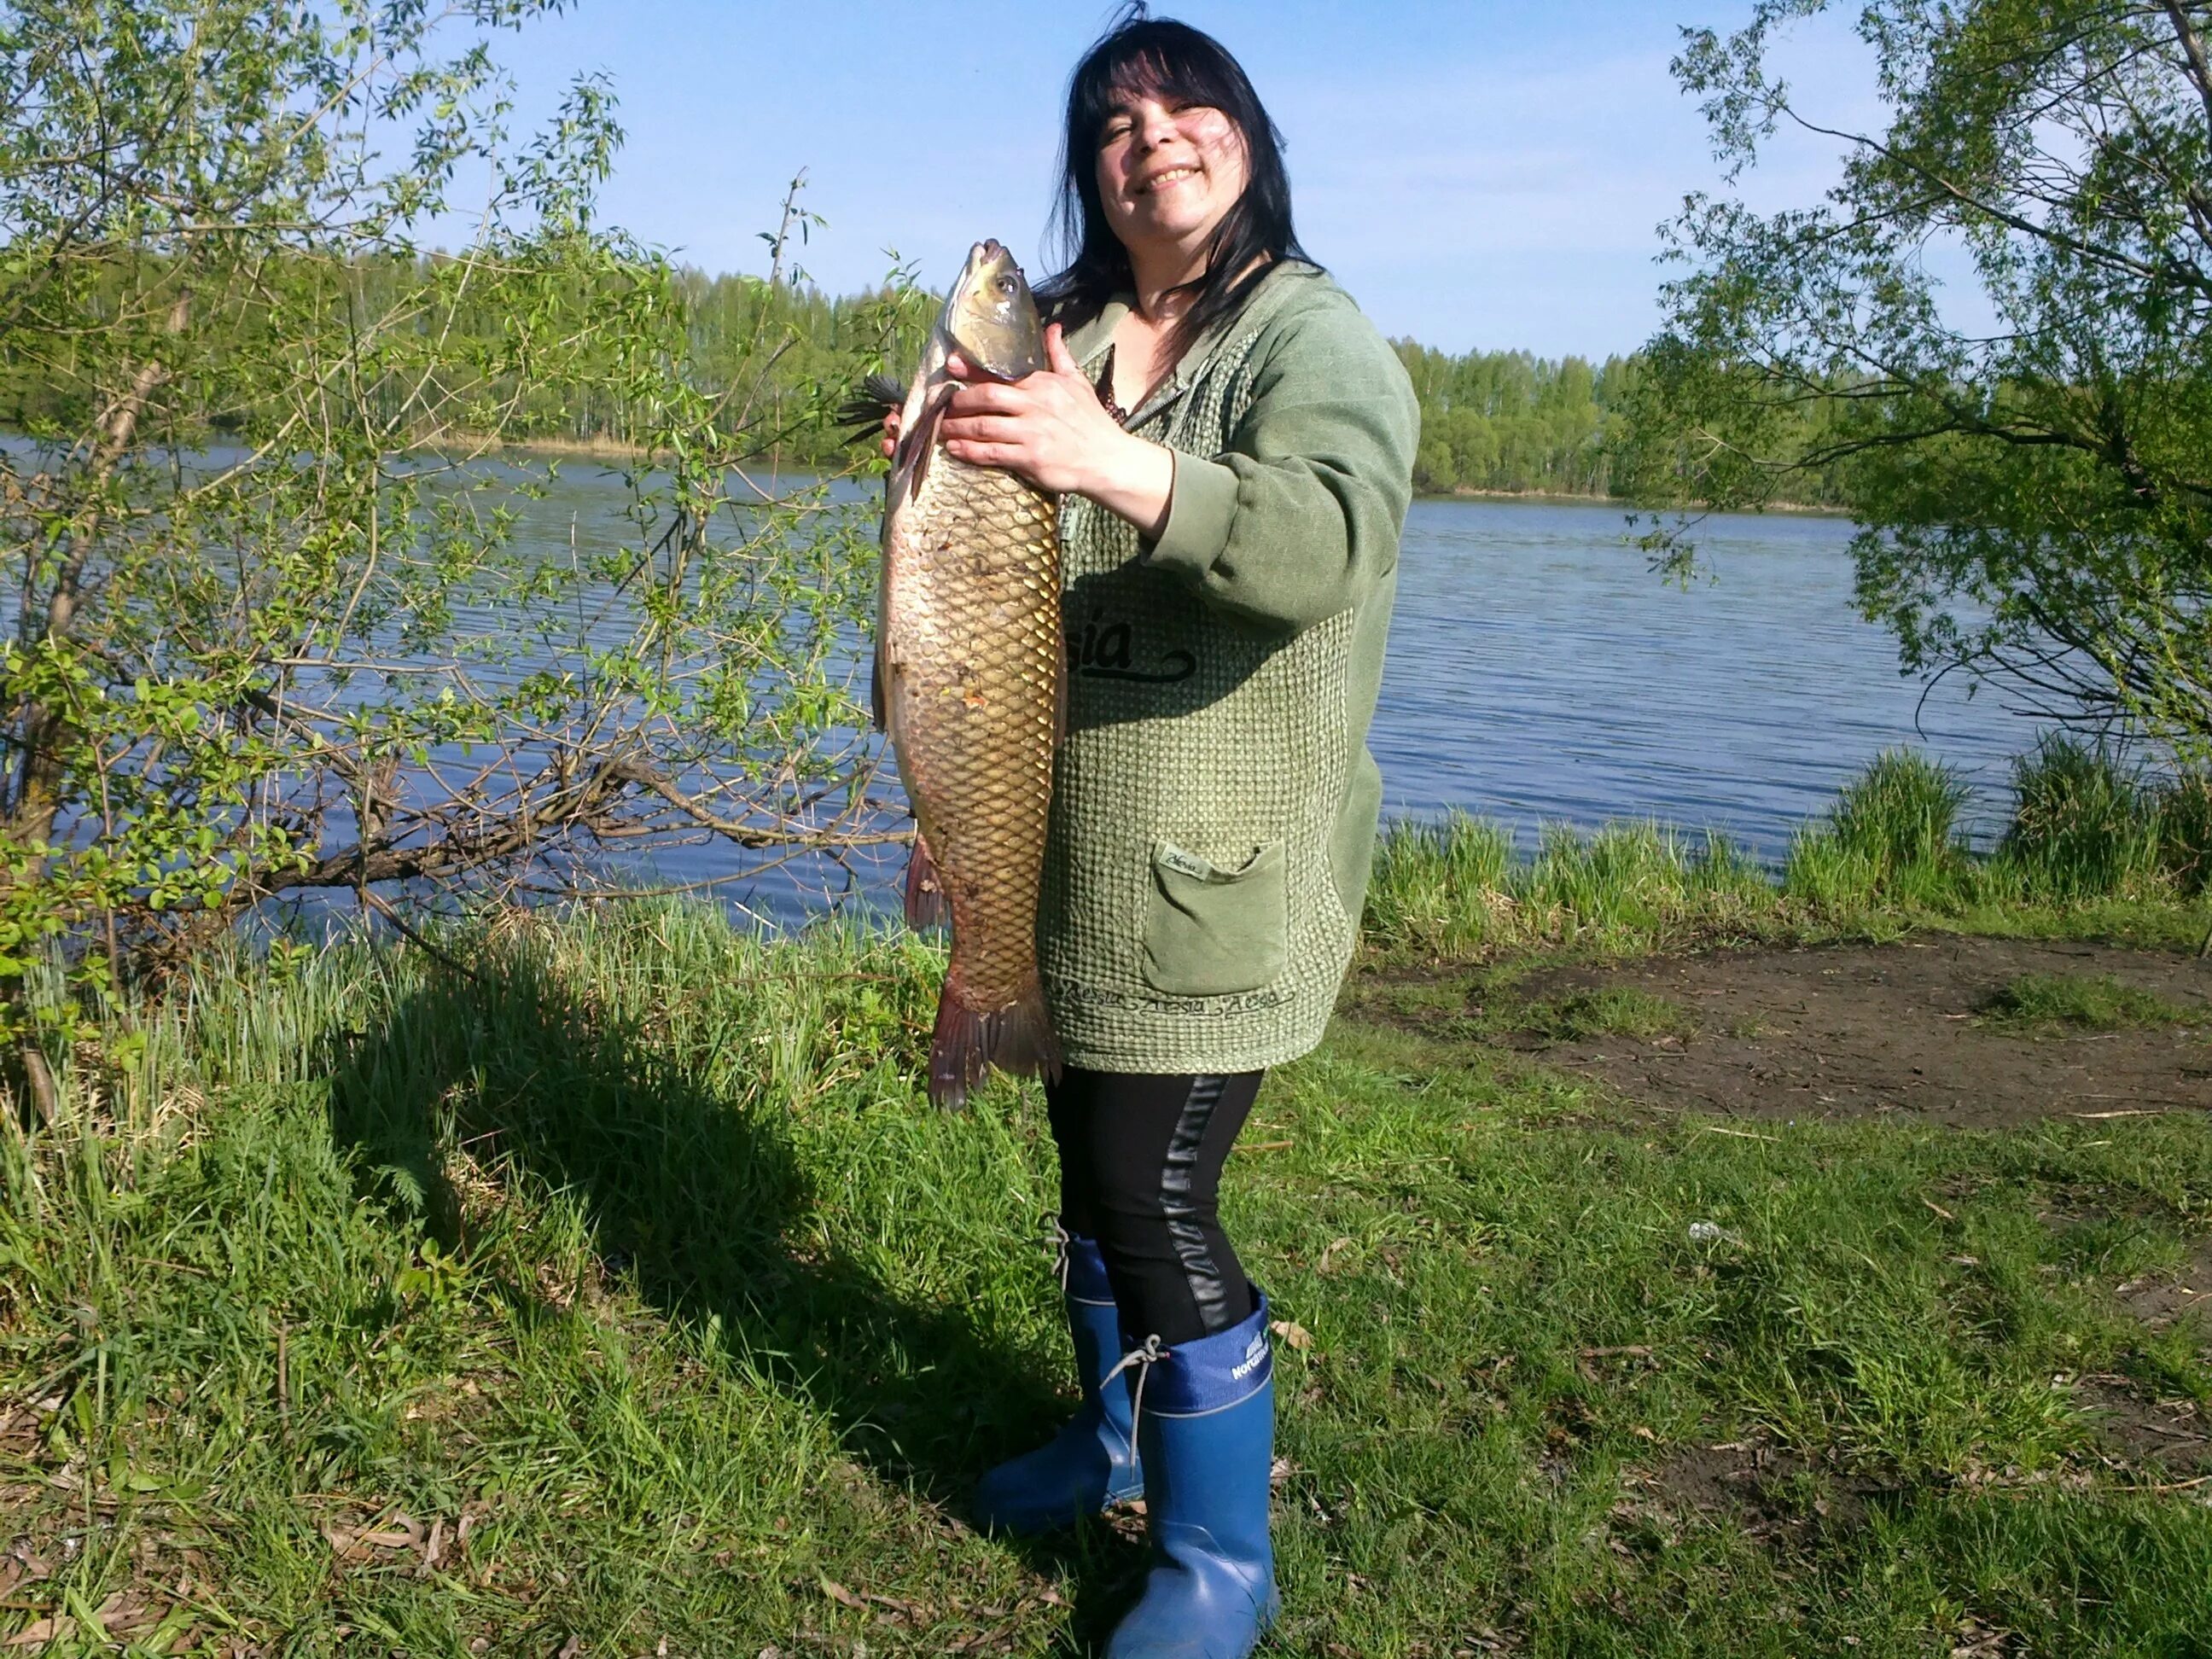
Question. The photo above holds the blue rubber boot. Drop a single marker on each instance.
(1206, 1419)
(1091, 1463)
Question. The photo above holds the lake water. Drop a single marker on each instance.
(1538, 672)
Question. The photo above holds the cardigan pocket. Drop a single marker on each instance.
(1211, 930)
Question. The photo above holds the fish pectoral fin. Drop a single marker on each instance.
(925, 892)
(917, 446)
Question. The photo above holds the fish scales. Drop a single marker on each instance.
(973, 619)
(969, 680)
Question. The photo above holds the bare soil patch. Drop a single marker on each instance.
(1771, 1493)
(1840, 1031)
(2160, 1299)
(2165, 1437)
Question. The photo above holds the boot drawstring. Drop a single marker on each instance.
(1144, 1359)
(1060, 1239)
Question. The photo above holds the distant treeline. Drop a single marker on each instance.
(1512, 421)
(1507, 421)
(778, 359)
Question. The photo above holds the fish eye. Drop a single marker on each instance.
(1006, 286)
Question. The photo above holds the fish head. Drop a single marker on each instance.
(990, 318)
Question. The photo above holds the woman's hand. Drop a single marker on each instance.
(1051, 429)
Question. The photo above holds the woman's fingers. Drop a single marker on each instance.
(1056, 353)
(995, 397)
(983, 454)
(990, 429)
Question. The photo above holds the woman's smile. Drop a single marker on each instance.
(1167, 172)
(1160, 180)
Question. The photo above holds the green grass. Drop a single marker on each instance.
(637, 1251)
(1616, 1011)
(2082, 1002)
(1453, 889)
(629, 1266)
(2090, 851)
(2083, 824)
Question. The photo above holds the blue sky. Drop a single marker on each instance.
(1478, 175)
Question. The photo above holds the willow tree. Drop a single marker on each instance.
(1992, 339)
(275, 624)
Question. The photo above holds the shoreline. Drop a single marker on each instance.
(1581, 498)
(612, 449)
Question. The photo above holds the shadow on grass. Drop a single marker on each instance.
(702, 1197)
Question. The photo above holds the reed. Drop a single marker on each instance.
(2088, 846)
(2083, 825)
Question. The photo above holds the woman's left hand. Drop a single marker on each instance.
(1050, 427)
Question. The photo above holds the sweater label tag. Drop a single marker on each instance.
(1171, 857)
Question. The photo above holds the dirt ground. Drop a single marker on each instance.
(1841, 1031)
(1854, 1031)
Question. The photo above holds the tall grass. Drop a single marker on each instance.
(1455, 887)
(2084, 825)
(1892, 836)
(2084, 833)
(2185, 825)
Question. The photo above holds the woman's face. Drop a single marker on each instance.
(1168, 171)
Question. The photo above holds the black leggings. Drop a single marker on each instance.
(1140, 1159)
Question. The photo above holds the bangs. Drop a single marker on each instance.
(1145, 69)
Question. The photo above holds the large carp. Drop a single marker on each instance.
(970, 683)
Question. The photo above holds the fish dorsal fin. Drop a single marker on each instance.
(864, 411)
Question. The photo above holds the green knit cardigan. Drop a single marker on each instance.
(1214, 808)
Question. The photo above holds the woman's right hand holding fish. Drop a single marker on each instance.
(1050, 428)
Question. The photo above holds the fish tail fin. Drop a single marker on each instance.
(969, 1040)
(1028, 1046)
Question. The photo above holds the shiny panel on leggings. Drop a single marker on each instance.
(1140, 1171)
(1179, 1204)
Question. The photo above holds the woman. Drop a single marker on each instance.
(1234, 442)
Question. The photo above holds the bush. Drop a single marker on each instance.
(2084, 826)
(1892, 835)
(2184, 831)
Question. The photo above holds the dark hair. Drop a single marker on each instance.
(1166, 59)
